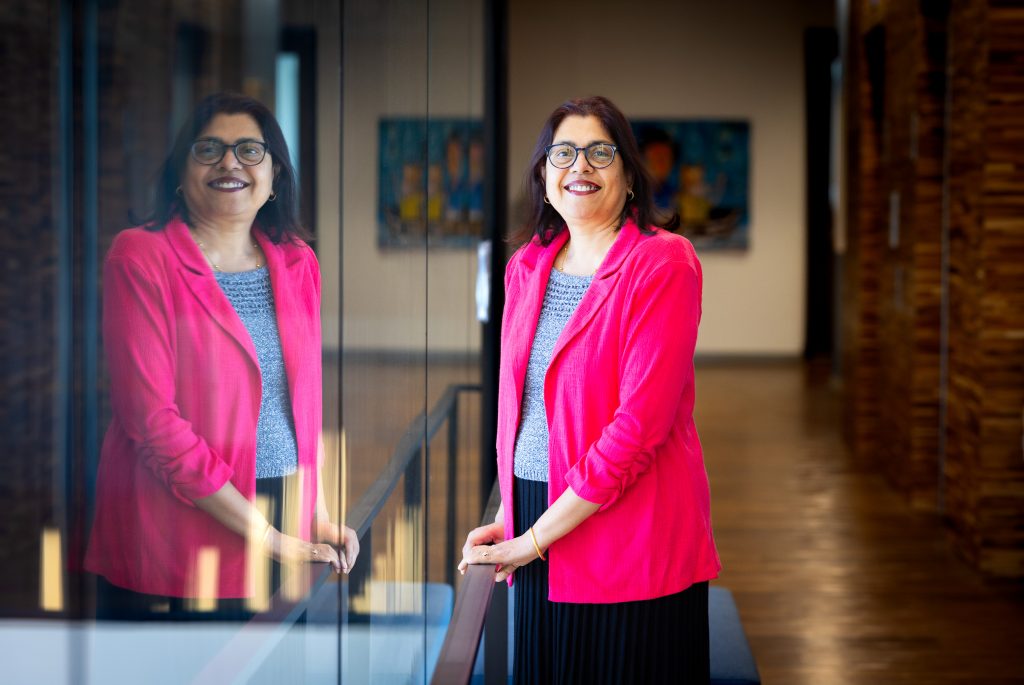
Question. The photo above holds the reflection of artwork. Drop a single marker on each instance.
(701, 170)
(430, 182)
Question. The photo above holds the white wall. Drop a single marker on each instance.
(736, 59)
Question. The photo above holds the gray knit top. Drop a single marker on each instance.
(252, 297)
(562, 297)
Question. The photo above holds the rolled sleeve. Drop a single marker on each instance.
(138, 341)
(656, 365)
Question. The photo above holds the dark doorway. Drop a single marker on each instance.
(820, 49)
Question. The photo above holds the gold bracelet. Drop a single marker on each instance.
(536, 546)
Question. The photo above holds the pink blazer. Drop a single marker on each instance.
(619, 401)
(185, 390)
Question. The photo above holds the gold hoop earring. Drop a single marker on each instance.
(546, 200)
(632, 195)
(273, 196)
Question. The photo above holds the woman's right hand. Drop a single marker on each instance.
(292, 550)
(490, 534)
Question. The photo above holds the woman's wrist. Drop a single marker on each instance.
(525, 550)
(270, 541)
(535, 543)
(321, 515)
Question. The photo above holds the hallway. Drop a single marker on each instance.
(836, 578)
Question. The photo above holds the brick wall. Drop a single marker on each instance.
(910, 283)
(968, 462)
(984, 467)
(29, 207)
(864, 245)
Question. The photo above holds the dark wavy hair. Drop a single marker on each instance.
(543, 223)
(278, 219)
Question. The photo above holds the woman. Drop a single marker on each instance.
(211, 325)
(605, 521)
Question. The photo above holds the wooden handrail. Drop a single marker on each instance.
(462, 640)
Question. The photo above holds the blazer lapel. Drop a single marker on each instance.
(200, 280)
(289, 304)
(604, 282)
(535, 266)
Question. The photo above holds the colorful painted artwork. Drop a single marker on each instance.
(430, 182)
(701, 170)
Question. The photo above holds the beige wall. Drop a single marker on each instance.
(328, 206)
(729, 58)
(396, 300)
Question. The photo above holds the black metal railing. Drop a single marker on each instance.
(406, 460)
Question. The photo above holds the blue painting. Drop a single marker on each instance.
(430, 182)
(701, 170)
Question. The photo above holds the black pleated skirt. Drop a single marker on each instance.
(663, 640)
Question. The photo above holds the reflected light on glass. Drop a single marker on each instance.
(397, 588)
(294, 580)
(204, 593)
(343, 473)
(258, 562)
(286, 100)
(51, 577)
(332, 474)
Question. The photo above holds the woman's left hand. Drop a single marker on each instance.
(507, 556)
(339, 536)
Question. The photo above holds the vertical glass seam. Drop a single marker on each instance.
(425, 463)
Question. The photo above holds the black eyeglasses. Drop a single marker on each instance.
(563, 155)
(210, 151)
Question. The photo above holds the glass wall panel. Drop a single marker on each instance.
(383, 333)
(380, 105)
(455, 104)
(94, 94)
(412, 218)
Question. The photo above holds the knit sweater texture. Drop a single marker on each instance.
(251, 295)
(561, 299)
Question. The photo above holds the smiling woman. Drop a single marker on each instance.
(224, 191)
(228, 119)
(598, 455)
(211, 326)
(589, 191)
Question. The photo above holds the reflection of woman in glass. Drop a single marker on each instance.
(605, 522)
(211, 325)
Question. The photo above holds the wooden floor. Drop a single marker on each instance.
(837, 580)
